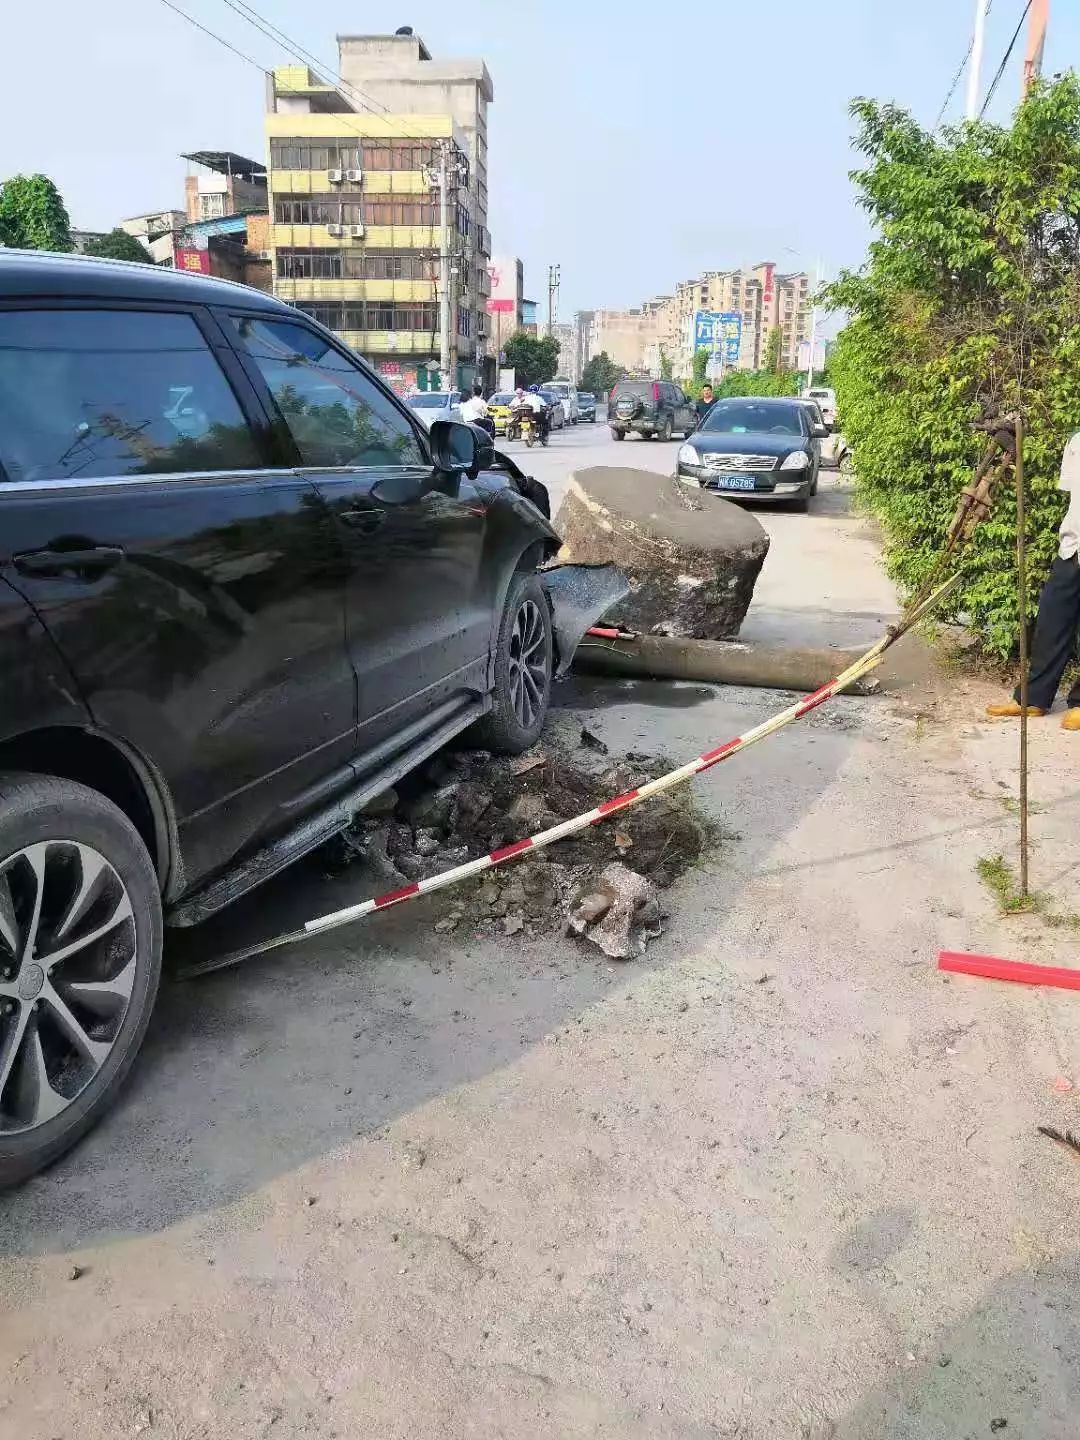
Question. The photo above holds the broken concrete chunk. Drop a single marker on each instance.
(629, 919)
(692, 559)
(427, 841)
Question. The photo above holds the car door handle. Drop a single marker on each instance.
(48, 562)
(366, 521)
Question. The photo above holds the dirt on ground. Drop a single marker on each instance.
(466, 803)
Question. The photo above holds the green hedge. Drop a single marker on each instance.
(968, 305)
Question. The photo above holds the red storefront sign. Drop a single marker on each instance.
(196, 262)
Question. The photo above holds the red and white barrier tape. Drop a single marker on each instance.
(854, 672)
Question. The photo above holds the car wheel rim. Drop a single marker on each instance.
(528, 663)
(68, 959)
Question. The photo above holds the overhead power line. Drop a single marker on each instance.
(1005, 59)
(199, 26)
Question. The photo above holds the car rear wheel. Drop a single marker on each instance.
(523, 665)
(80, 960)
(665, 428)
(617, 434)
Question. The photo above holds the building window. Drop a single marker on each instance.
(352, 265)
(211, 207)
(352, 315)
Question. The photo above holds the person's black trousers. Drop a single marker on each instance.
(1056, 629)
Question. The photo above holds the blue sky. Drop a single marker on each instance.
(635, 143)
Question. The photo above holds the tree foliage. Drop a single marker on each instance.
(118, 245)
(772, 349)
(967, 307)
(533, 358)
(758, 382)
(601, 374)
(32, 214)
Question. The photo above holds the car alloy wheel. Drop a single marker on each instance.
(68, 963)
(528, 664)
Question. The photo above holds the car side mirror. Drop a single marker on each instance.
(454, 447)
(819, 431)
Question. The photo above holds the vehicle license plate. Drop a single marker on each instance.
(729, 480)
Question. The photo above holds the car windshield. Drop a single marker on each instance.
(503, 398)
(643, 388)
(819, 394)
(583, 395)
(739, 417)
(430, 400)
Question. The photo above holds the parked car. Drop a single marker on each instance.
(567, 391)
(755, 448)
(499, 410)
(242, 591)
(826, 399)
(586, 406)
(556, 406)
(431, 405)
(651, 408)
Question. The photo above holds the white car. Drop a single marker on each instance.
(567, 393)
(435, 405)
(826, 399)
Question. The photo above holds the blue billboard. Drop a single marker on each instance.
(719, 332)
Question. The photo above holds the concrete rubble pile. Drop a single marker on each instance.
(604, 884)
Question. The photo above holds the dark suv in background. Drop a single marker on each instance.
(655, 409)
(242, 591)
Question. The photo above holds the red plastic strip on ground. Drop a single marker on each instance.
(505, 853)
(712, 756)
(992, 967)
(617, 804)
(393, 896)
(817, 698)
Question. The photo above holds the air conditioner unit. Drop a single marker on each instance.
(358, 232)
(354, 177)
(335, 229)
(336, 176)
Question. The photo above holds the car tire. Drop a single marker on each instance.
(665, 429)
(70, 1029)
(524, 652)
(617, 434)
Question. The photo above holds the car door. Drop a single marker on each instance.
(418, 622)
(185, 579)
(685, 414)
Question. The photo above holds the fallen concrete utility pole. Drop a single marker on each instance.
(471, 868)
(667, 657)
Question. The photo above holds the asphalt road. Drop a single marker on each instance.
(779, 1178)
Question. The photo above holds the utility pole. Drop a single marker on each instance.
(813, 328)
(445, 378)
(554, 272)
(971, 109)
(1038, 16)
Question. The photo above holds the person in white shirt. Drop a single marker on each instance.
(1058, 623)
(475, 408)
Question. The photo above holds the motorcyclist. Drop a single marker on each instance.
(475, 408)
(540, 409)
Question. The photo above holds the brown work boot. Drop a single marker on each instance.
(1010, 710)
(1071, 719)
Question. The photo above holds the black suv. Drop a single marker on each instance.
(242, 591)
(652, 408)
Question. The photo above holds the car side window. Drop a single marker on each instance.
(87, 393)
(336, 414)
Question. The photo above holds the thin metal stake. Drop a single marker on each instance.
(1021, 587)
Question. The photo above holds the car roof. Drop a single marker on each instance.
(39, 274)
(761, 400)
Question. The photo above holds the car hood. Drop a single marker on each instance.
(750, 442)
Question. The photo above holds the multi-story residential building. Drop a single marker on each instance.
(626, 335)
(158, 231)
(355, 233)
(220, 183)
(506, 300)
(566, 335)
(765, 301)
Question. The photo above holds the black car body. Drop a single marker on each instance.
(755, 448)
(655, 409)
(242, 590)
(556, 411)
(586, 406)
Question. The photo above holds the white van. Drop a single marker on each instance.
(567, 393)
